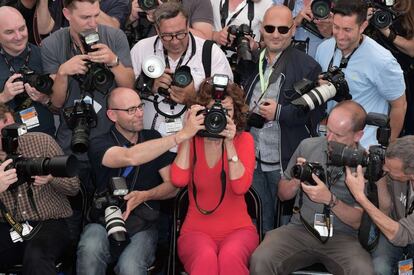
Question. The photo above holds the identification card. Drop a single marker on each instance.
(320, 225)
(405, 267)
(29, 117)
(27, 228)
(173, 125)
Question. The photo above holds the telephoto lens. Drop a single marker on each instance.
(117, 233)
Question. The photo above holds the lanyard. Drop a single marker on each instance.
(344, 60)
(408, 210)
(11, 68)
(264, 83)
(224, 13)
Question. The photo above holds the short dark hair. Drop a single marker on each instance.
(403, 148)
(359, 115)
(351, 7)
(205, 95)
(3, 110)
(168, 10)
(70, 4)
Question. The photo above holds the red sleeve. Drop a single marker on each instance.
(244, 144)
(179, 177)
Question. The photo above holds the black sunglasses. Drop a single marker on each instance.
(280, 29)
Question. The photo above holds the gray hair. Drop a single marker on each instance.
(403, 149)
(168, 10)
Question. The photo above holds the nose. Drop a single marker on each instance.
(92, 22)
(18, 35)
(329, 136)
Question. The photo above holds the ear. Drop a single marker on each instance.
(67, 13)
(358, 135)
(111, 115)
(364, 25)
(293, 30)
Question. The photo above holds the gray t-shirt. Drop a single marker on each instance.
(315, 150)
(56, 50)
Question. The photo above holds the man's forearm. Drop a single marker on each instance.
(388, 226)
(161, 192)
(397, 115)
(288, 189)
(45, 21)
(59, 88)
(348, 214)
(124, 76)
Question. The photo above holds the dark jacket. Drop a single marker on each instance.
(295, 124)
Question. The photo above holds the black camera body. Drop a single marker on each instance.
(107, 208)
(241, 44)
(383, 15)
(99, 77)
(41, 82)
(304, 172)
(342, 155)
(321, 8)
(80, 118)
(181, 78)
(60, 166)
(215, 117)
(312, 96)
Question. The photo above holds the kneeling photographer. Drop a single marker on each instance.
(23, 86)
(132, 173)
(324, 226)
(34, 186)
(394, 214)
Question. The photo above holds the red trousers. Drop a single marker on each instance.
(200, 254)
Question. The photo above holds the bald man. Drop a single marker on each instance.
(29, 104)
(140, 157)
(284, 124)
(305, 240)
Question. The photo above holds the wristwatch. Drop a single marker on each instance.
(114, 64)
(234, 158)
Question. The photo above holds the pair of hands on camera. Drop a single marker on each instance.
(324, 25)
(177, 94)
(133, 199)
(356, 183)
(318, 193)
(224, 38)
(78, 63)
(13, 88)
(9, 176)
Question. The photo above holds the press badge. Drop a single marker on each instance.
(173, 125)
(27, 228)
(405, 267)
(320, 225)
(29, 117)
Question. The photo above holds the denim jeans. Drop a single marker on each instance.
(265, 184)
(385, 257)
(93, 252)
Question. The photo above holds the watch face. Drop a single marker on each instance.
(235, 158)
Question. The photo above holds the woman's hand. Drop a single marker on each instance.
(230, 131)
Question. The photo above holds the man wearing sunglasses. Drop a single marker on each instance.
(176, 46)
(269, 88)
(138, 156)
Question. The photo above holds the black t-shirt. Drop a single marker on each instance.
(148, 175)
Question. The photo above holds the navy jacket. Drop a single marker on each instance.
(295, 124)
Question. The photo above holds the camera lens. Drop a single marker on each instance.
(215, 121)
(80, 136)
(182, 77)
(147, 4)
(342, 155)
(102, 78)
(321, 8)
(382, 19)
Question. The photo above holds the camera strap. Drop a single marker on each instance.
(290, 4)
(326, 209)
(18, 227)
(224, 13)
(344, 60)
(408, 210)
(222, 180)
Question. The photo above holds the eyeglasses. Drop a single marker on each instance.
(170, 36)
(280, 29)
(131, 110)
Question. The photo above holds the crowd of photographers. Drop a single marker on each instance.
(127, 102)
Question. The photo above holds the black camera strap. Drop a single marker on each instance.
(344, 60)
(222, 180)
(18, 227)
(224, 13)
(331, 181)
(290, 4)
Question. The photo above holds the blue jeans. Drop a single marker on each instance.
(265, 184)
(385, 257)
(93, 252)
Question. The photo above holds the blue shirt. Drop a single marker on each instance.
(374, 78)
